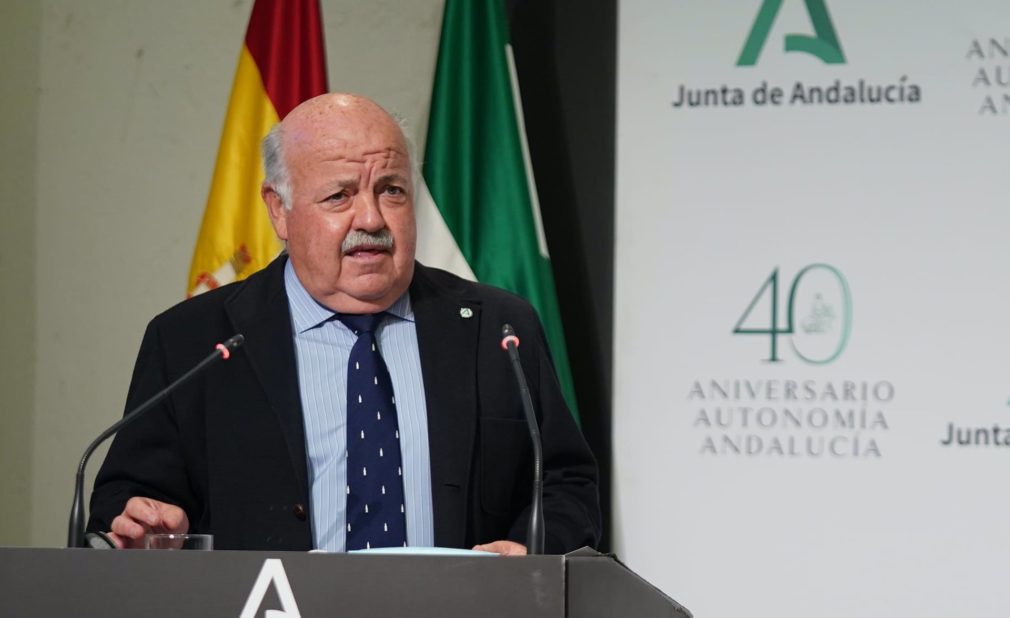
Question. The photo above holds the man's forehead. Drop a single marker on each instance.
(390, 158)
(366, 138)
(346, 131)
(357, 146)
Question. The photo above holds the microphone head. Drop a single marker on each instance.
(509, 338)
(235, 342)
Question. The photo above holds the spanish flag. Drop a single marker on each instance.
(282, 63)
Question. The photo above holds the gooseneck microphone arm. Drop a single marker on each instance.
(535, 534)
(75, 534)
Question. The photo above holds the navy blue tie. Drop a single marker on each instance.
(375, 507)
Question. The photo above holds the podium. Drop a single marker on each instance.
(195, 584)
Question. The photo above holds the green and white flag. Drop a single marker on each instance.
(481, 219)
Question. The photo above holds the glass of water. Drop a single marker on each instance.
(179, 541)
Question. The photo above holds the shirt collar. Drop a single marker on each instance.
(307, 313)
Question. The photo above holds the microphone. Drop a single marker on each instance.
(75, 534)
(535, 534)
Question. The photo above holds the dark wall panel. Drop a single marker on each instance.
(565, 55)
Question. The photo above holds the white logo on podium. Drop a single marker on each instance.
(272, 571)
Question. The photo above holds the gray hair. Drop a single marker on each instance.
(415, 161)
(275, 168)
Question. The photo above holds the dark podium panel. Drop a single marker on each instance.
(155, 584)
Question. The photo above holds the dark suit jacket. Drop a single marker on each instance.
(229, 446)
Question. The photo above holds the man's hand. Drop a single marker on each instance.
(505, 548)
(143, 515)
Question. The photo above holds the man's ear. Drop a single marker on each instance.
(275, 208)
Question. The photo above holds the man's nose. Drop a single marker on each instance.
(367, 215)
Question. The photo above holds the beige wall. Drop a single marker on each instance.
(20, 23)
(124, 127)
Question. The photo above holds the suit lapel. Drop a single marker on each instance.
(447, 334)
(259, 310)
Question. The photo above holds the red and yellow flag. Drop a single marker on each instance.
(282, 63)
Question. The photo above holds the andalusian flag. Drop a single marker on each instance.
(282, 63)
(477, 169)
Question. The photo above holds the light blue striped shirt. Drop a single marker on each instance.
(322, 347)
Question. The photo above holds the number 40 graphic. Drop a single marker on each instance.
(822, 320)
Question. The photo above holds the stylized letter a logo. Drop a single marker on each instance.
(824, 45)
(272, 572)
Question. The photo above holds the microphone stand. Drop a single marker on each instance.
(75, 533)
(535, 534)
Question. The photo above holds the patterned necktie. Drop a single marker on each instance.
(375, 506)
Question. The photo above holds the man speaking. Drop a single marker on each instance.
(371, 404)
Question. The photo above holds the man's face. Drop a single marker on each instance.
(351, 185)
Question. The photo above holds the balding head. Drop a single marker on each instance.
(339, 189)
(315, 110)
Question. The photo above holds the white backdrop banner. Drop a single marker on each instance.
(812, 328)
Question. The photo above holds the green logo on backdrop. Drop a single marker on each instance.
(824, 44)
(818, 314)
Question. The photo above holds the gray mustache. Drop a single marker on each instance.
(382, 239)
